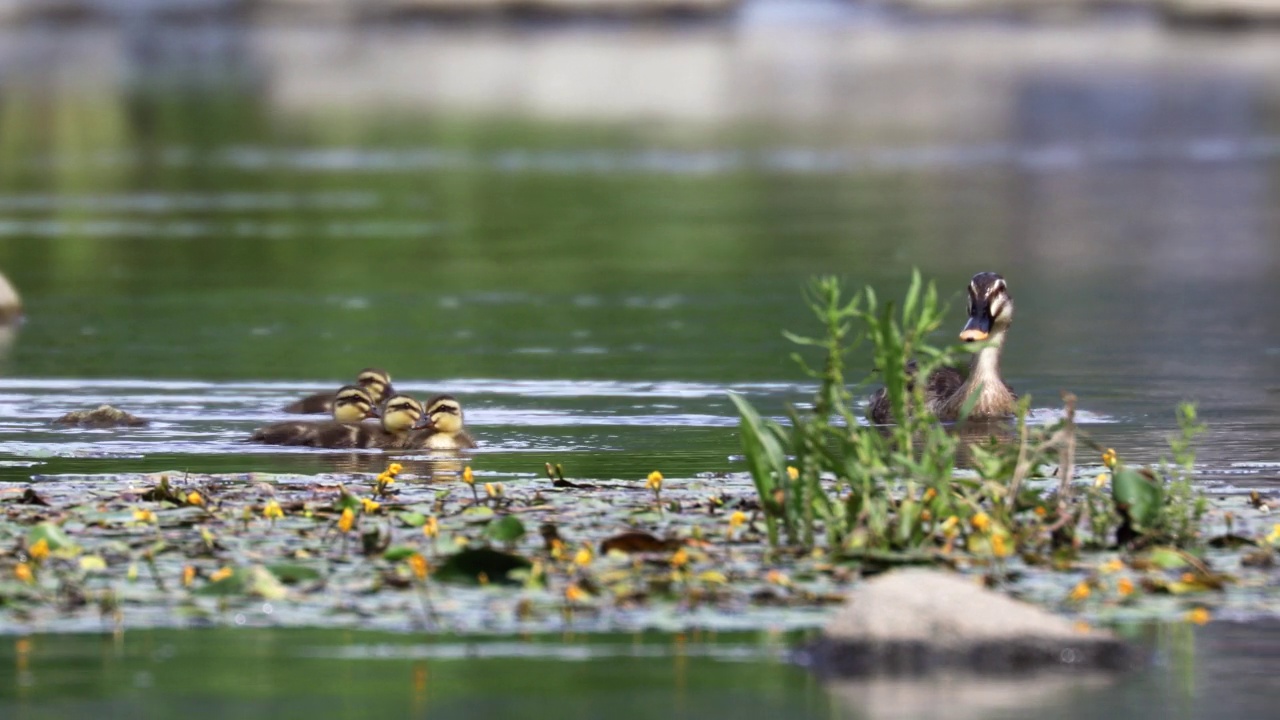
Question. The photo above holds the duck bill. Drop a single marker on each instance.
(371, 413)
(424, 423)
(979, 326)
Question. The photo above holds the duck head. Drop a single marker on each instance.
(990, 307)
(444, 415)
(376, 382)
(352, 404)
(401, 413)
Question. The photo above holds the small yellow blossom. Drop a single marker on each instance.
(574, 594)
(1080, 591)
(1109, 458)
(24, 574)
(493, 490)
(39, 550)
(793, 472)
(1081, 627)
(949, 525)
(929, 495)
(272, 510)
(558, 548)
(1124, 587)
(583, 557)
(1199, 616)
(980, 522)
(1187, 578)
(680, 558)
(1111, 566)
(998, 546)
(385, 479)
(394, 469)
(369, 506)
(467, 476)
(431, 528)
(1102, 479)
(1041, 511)
(654, 482)
(144, 515)
(418, 565)
(1273, 537)
(777, 577)
(194, 498)
(737, 519)
(188, 575)
(926, 516)
(347, 520)
(220, 574)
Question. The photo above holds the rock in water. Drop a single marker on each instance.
(103, 417)
(916, 621)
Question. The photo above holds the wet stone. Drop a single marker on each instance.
(104, 416)
(918, 621)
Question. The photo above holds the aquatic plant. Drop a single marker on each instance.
(894, 492)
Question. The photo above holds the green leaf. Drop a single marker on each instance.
(396, 553)
(290, 573)
(506, 529)
(52, 535)
(468, 565)
(1140, 497)
(412, 519)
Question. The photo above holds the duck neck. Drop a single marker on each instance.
(984, 370)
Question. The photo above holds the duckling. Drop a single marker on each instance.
(947, 391)
(351, 405)
(374, 380)
(444, 427)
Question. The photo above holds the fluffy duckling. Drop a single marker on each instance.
(947, 391)
(375, 381)
(443, 426)
(351, 406)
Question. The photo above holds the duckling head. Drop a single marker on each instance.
(444, 415)
(400, 413)
(352, 404)
(990, 307)
(375, 381)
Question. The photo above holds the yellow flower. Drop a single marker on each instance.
(1109, 458)
(1101, 479)
(777, 577)
(680, 558)
(1113, 565)
(369, 506)
(1124, 587)
(493, 490)
(574, 594)
(583, 557)
(654, 482)
(431, 528)
(793, 473)
(948, 526)
(1081, 627)
(1199, 616)
(385, 479)
(418, 565)
(1080, 591)
(1188, 578)
(467, 477)
(394, 469)
(557, 550)
(39, 550)
(188, 575)
(24, 574)
(272, 510)
(737, 519)
(1273, 537)
(144, 515)
(221, 574)
(929, 495)
(1041, 511)
(926, 516)
(980, 522)
(347, 520)
(998, 546)
(194, 498)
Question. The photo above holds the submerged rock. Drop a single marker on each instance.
(916, 621)
(103, 417)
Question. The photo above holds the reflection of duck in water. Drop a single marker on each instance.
(947, 391)
(376, 382)
(444, 427)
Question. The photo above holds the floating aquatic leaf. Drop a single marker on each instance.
(480, 564)
(507, 529)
